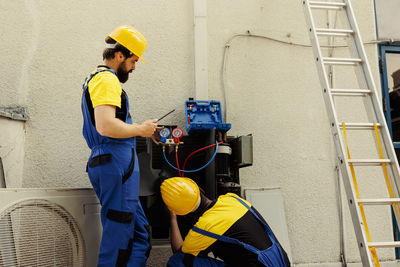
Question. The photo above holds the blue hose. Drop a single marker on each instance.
(199, 169)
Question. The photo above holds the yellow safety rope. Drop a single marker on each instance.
(388, 181)
(372, 249)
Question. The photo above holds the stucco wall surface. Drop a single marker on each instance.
(53, 46)
(272, 91)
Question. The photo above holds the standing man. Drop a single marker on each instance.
(113, 166)
(229, 227)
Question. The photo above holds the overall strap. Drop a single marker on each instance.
(87, 80)
(226, 239)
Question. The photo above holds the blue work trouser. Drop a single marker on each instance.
(114, 173)
(177, 259)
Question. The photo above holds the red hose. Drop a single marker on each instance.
(194, 152)
(177, 162)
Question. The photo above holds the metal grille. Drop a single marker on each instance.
(37, 232)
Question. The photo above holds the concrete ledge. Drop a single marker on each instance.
(14, 113)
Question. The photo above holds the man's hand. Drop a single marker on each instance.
(156, 135)
(148, 128)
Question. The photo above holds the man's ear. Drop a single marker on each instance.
(119, 56)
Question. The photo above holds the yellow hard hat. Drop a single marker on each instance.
(131, 39)
(181, 195)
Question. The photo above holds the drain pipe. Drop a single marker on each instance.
(200, 50)
(2, 176)
(341, 218)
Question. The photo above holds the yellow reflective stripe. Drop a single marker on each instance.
(353, 174)
(388, 181)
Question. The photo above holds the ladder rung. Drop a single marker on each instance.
(379, 201)
(392, 244)
(327, 5)
(368, 162)
(341, 61)
(359, 126)
(350, 92)
(333, 32)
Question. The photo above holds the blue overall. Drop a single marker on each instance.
(113, 170)
(272, 256)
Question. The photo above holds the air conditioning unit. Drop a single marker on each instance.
(49, 227)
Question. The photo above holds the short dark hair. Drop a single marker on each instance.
(109, 53)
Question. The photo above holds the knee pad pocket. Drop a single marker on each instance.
(124, 255)
(119, 216)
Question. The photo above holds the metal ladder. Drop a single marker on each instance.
(386, 154)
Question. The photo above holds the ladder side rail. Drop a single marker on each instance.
(365, 253)
(388, 148)
(359, 228)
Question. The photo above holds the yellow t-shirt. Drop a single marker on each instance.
(218, 219)
(105, 89)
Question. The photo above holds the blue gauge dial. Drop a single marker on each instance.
(165, 132)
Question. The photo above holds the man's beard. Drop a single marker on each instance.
(122, 74)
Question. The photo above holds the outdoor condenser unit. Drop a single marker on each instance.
(49, 227)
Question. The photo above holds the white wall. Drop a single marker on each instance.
(273, 92)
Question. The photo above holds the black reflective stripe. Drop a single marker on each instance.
(89, 106)
(130, 170)
(120, 113)
(119, 216)
(124, 255)
(188, 260)
(148, 229)
(99, 160)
